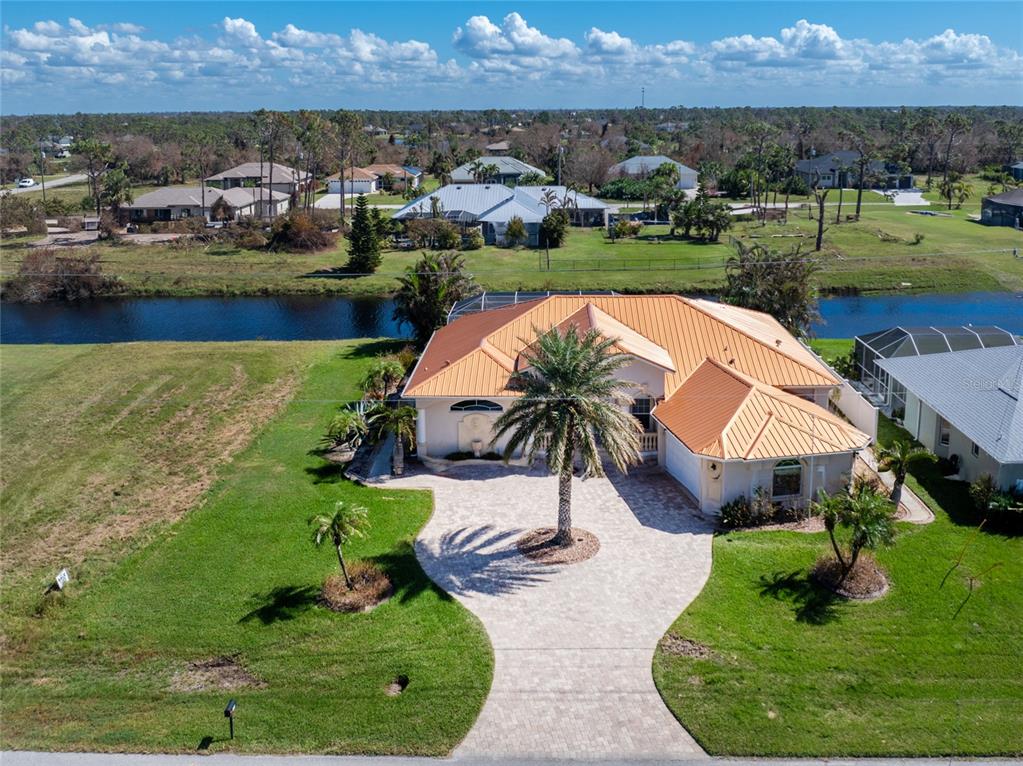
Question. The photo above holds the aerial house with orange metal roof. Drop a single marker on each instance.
(729, 401)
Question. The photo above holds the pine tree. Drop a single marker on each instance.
(363, 242)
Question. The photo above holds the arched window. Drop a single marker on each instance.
(788, 479)
(476, 405)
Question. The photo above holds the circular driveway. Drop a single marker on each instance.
(573, 645)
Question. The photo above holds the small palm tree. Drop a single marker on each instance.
(346, 523)
(571, 403)
(400, 421)
(382, 378)
(549, 199)
(898, 458)
(866, 513)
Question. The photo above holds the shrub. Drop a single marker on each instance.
(382, 378)
(515, 233)
(736, 513)
(917, 238)
(44, 276)
(553, 229)
(627, 228)
(982, 492)
(17, 210)
(296, 232)
(407, 357)
(250, 240)
(448, 238)
(345, 429)
(433, 233)
(472, 241)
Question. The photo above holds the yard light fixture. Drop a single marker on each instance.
(229, 714)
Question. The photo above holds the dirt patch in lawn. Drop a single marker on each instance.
(673, 643)
(370, 587)
(183, 457)
(538, 545)
(866, 582)
(213, 674)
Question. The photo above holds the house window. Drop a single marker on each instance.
(476, 405)
(943, 433)
(641, 409)
(788, 479)
(974, 450)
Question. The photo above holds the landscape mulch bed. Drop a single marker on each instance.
(537, 545)
(370, 588)
(215, 673)
(866, 582)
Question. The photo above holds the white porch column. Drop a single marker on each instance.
(421, 431)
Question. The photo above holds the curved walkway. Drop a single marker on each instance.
(573, 645)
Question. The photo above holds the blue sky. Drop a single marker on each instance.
(154, 56)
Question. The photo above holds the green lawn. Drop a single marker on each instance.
(930, 669)
(875, 254)
(236, 577)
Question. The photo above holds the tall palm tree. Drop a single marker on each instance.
(400, 421)
(477, 169)
(346, 523)
(898, 458)
(571, 403)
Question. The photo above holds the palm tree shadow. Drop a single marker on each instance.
(814, 605)
(480, 560)
(285, 602)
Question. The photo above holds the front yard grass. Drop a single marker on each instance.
(932, 668)
(237, 578)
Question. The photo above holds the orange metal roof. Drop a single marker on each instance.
(470, 356)
(722, 413)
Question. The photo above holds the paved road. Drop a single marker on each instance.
(107, 759)
(66, 180)
(573, 645)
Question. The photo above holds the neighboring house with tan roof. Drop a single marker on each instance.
(173, 203)
(395, 177)
(284, 179)
(729, 401)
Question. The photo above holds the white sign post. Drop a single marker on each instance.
(62, 579)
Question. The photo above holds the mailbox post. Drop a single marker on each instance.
(229, 715)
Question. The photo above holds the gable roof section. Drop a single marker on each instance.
(176, 196)
(506, 166)
(719, 412)
(646, 164)
(627, 340)
(282, 173)
(687, 330)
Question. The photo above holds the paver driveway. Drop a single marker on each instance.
(573, 644)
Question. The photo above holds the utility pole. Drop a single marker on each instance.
(642, 97)
(42, 173)
(561, 151)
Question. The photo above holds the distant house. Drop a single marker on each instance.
(395, 177)
(965, 406)
(492, 206)
(356, 181)
(174, 203)
(644, 166)
(499, 147)
(1015, 170)
(509, 170)
(1005, 209)
(841, 170)
(285, 179)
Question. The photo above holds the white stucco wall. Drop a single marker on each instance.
(437, 431)
(741, 478)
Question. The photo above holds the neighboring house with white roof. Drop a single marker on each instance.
(644, 166)
(509, 170)
(727, 399)
(285, 179)
(174, 203)
(492, 206)
(965, 406)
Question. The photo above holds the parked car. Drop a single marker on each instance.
(24, 183)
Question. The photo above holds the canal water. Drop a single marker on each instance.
(316, 317)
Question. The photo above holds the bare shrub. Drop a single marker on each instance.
(45, 276)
